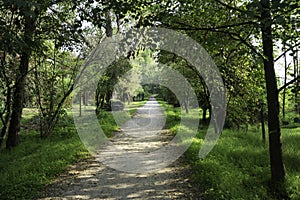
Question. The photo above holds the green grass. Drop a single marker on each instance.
(133, 106)
(111, 122)
(173, 116)
(26, 169)
(238, 166)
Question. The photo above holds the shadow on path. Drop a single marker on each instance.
(91, 179)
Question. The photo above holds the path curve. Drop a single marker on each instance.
(91, 179)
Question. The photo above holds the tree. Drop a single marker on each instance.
(6, 77)
(106, 84)
(275, 146)
(28, 12)
(28, 24)
(57, 76)
(249, 23)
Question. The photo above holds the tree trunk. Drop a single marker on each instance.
(18, 95)
(204, 112)
(186, 103)
(296, 71)
(80, 102)
(108, 96)
(298, 82)
(17, 105)
(108, 25)
(7, 116)
(86, 98)
(102, 101)
(262, 121)
(275, 148)
(285, 80)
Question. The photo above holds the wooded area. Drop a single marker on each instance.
(255, 45)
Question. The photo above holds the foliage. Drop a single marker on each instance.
(108, 81)
(28, 26)
(251, 24)
(38, 43)
(237, 168)
(56, 75)
(290, 120)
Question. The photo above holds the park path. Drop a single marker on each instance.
(144, 133)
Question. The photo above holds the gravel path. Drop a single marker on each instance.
(129, 175)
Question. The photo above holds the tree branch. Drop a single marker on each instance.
(234, 36)
(227, 26)
(289, 83)
(298, 44)
(234, 8)
(88, 44)
(230, 7)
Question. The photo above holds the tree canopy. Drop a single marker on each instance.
(43, 44)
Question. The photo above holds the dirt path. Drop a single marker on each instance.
(91, 179)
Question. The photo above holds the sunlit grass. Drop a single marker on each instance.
(111, 121)
(26, 169)
(133, 106)
(238, 166)
(120, 117)
(173, 116)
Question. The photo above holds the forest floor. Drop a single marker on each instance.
(116, 172)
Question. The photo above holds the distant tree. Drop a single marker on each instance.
(108, 81)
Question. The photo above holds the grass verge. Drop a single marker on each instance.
(238, 166)
(26, 169)
(110, 122)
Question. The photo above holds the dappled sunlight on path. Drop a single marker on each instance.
(92, 180)
(144, 133)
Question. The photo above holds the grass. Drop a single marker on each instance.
(238, 166)
(26, 169)
(133, 106)
(110, 122)
(173, 116)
